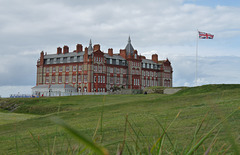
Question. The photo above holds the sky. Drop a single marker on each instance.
(165, 27)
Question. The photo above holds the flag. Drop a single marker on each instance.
(203, 35)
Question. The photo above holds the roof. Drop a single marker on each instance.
(148, 61)
(113, 57)
(71, 54)
(41, 86)
(129, 48)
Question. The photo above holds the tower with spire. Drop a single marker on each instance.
(90, 48)
(129, 48)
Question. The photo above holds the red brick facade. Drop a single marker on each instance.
(92, 70)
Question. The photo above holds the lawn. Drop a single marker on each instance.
(29, 129)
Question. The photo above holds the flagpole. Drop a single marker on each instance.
(196, 75)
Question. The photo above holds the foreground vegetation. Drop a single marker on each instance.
(128, 124)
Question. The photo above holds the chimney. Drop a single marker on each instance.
(96, 47)
(110, 52)
(42, 58)
(143, 57)
(123, 53)
(135, 52)
(155, 58)
(59, 50)
(79, 48)
(65, 49)
(85, 55)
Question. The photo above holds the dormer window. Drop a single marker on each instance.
(135, 56)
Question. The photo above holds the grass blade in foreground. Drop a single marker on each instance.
(82, 139)
(195, 147)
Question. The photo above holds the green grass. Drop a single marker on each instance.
(29, 129)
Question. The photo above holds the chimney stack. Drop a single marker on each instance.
(123, 53)
(65, 49)
(110, 52)
(79, 48)
(143, 57)
(155, 58)
(85, 57)
(42, 58)
(96, 47)
(59, 50)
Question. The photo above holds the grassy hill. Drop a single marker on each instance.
(28, 129)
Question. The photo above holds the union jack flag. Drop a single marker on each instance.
(203, 35)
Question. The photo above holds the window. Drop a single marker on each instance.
(117, 62)
(123, 63)
(65, 60)
(103, 89)
(66, 79)
(81, 58)
(85, 78)
(110, 61)
(103, 79)
(95, 79)
(53, 79)
(74, 68)
(67, 68)
(147, 65)
(100, 69)
(79, 79)
(124, 71)
(124, 81)
(111, 70)
(60, 79)
(79, 68)
(54, 69)
(95, 68)
(85, 89)
(47, 79)
(111, 80)
(98, 79)
(74, 79)
(60, 69)
(118, 80)
(135, 56)
(47, 69)
(58, 60)
(117, 70)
